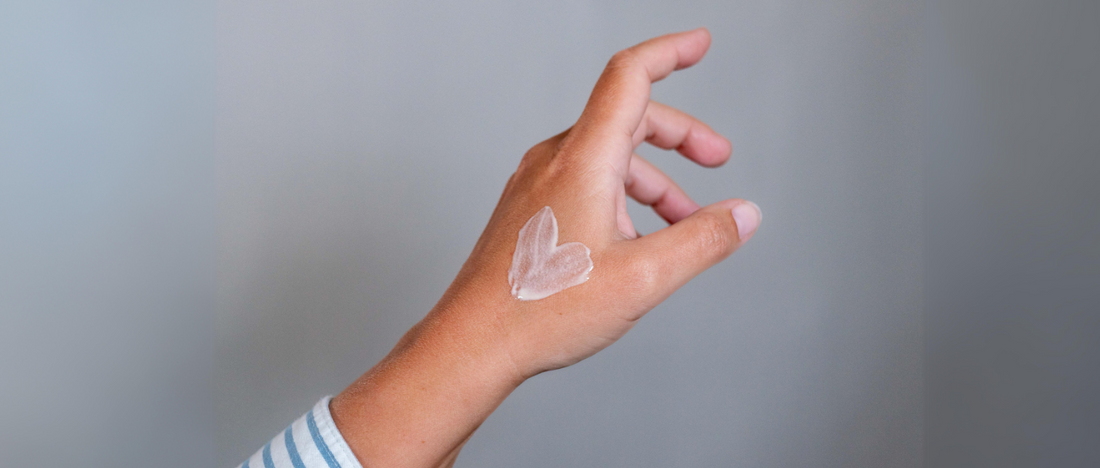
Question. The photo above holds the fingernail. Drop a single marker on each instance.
(748, 216)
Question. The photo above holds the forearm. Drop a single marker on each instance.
(425, 399)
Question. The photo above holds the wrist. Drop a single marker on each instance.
(421, 402)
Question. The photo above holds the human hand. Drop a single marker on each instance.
(424, 400)
(585, 174)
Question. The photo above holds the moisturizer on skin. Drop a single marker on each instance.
(541, 267)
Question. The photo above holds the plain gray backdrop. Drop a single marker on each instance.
(1012, 245)
(213, 213)
(363, 145)
(106, 233)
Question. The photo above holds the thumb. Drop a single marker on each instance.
(678, 253)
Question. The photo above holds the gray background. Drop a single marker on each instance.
(106, 233)
(1012, 216)
(362, 147)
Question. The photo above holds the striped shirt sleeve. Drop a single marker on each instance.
(310, 442)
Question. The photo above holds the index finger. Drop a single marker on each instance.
(621, 95)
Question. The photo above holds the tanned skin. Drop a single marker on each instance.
(423, 401)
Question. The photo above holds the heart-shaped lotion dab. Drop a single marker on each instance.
(541, 267)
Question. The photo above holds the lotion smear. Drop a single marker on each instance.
(541, 267)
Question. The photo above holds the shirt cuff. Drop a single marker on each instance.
(310, 442)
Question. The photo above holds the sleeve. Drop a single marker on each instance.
(310, 442)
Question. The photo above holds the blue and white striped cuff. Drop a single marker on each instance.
(310, 442)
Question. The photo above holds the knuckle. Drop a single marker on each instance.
(572, 165)
(714, 234)
(538, 150)
(622, 59)
(532, 160)
(549, 163)
(537, 155)
(526, 162)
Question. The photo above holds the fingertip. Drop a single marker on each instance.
(720, 150)
(747, 216)
(707, 147)
(704, 31)
(706, 38)
(698, 42)
(701, 31)
(724, 150)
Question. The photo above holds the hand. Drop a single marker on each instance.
(584, 174)
(479, 342)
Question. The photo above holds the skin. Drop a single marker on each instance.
(423, 401)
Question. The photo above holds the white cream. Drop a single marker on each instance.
(541, 267)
